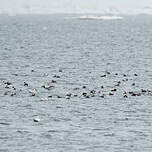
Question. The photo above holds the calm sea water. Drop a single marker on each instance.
(80, 56)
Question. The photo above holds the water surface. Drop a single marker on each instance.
(75, 53)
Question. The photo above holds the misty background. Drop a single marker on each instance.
(75, 6)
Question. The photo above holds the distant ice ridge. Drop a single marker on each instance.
(36, 9)
(92, 17)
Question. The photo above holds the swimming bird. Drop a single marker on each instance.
(59, 97)
(107, 72)
(102, 96)
(44, 99)
(36, 119)
(92, 91)
(102, 87)
(76, 89)
(68, 95)
(125, 96)
(6, 93)
(6, 82)
(75, 95)
(53, 81)
(56, 76)
(113, 89)
(48, 87)
(103, 75)
(13, 94)
(25, 84)
(143, 91)
(84, 94)
(33, 92)
(7, 87)
(111, 94)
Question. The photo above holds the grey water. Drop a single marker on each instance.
(79, 56)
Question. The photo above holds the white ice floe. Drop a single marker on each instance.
(92, 17)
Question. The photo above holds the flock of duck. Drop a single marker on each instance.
(83, 91)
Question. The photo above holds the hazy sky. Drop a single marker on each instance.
(73, 6)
